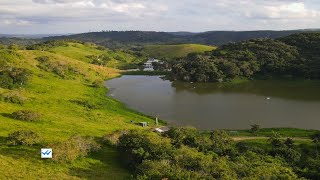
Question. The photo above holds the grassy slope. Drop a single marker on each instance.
(175, 51)
(80, 52)
(51, 96)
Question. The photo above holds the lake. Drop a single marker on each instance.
(270, 103)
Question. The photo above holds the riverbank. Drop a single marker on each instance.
(146, 73)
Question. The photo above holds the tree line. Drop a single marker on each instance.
(186, 153)
(293, 56)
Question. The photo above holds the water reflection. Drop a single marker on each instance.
(294, 90)
(227, 106)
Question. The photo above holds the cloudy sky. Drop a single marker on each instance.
(73, 16)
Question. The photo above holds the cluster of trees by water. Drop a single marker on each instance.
(186, 153)
(292, 56)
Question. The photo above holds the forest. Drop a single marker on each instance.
(295, 56)
(186, 153)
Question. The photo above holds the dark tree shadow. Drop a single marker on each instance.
(108, 166)
(7, 115)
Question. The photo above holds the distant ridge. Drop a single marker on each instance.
(120, 38)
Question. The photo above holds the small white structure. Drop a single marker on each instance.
(148, 65)
(161, 129)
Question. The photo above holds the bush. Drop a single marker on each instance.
(86, 103)
(23, 137)
(113, 138)
(98, 83)
(59, 68)
(138, 146)
(13, 97)
(74, 148)
(42, 59)
(11, 77)
(26, 115)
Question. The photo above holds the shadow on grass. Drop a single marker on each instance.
(106, 164)
(19, 151)
(7, 115)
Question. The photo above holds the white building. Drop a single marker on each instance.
(148, 65)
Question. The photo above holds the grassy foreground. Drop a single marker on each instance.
(69, 106)
(175, 51)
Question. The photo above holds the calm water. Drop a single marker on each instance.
(213, 105)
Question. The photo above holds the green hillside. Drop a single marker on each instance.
(91, 53)
(60, 95)
(175, 51)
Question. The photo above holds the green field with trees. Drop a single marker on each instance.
(52, 94)
(170, 52)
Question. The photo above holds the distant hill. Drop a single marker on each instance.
(175, 51)
(33, 36)
(129, 39)
(114, 39)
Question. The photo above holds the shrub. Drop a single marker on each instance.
(113, 138)
(98, 83)
(11, 77)
(255, 128)
(23, 137)
(74, 148)
(26, 115)
(86, 103)
(42, 59)
(59, 68)
(13, 97)
(138, 146)
(14, 47)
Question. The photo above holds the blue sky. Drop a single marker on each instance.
(74, 16)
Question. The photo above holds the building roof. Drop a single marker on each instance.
(162, 129)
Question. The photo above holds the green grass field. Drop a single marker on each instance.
(53, 97)
(175, 51)
(118, 58)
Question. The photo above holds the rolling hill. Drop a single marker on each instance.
(66, 92)
(175, 51)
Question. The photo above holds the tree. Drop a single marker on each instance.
(221, 142)
(275, 140)
(255, 128)
(316, 140)
(14, 47)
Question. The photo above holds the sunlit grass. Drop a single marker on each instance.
(54, 98)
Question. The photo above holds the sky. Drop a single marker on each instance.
(76, 16)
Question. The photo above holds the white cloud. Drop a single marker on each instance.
(16, 22)
(161, 15)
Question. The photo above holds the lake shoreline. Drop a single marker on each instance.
(197, 90)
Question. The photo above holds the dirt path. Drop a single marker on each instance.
(243, 138)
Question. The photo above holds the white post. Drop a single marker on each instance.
(157, 121)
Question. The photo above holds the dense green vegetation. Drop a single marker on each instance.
(170, 52)
(259, 58)
(308, 45)
(185, 153)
